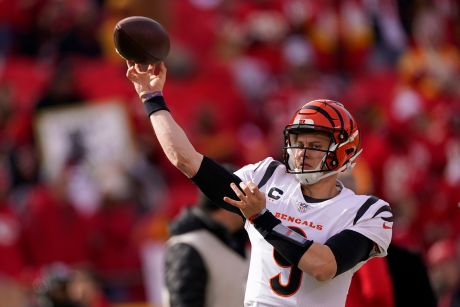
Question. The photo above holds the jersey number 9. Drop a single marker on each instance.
(295, 275)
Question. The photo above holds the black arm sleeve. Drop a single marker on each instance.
(214, 181)
(290, 244)
(349, 248)
(185, 276)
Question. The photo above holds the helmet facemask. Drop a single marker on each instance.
(325, 166)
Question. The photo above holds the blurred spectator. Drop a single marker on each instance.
(409, 274)
(115, 254)
(12, 262)
(13, 293)
(253, 79)
(60, 28)
(199, 236)
(51, 288)
(62, 90)
(390, 38)
(432, 64)
(15, 125)
(148, 184)
(372, 285)
(6, 110)
(63, 286)
(84, 289)
(24, 168)
(341, 35)
(50, 220)
(444, 266)
(219, 144)
(82, 39)
(452, 170)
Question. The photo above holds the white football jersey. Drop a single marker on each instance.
(272, 281)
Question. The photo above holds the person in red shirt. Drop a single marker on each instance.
(54, 230)
(11, 254)
(371, 285)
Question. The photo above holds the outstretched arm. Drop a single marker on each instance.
(209, 176)
(172, 138)
(322, 261)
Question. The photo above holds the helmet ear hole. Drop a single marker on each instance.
(332, 162)
(349, 151)
(343, 136)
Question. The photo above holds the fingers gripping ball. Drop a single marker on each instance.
(141, 40)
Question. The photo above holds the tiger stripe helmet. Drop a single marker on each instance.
(333, 119)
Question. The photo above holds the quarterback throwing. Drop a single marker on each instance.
(309, 233)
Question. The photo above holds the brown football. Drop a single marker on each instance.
(141, 39)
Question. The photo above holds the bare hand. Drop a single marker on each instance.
(146, 80)
(251, 202)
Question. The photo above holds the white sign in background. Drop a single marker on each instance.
(105, 133)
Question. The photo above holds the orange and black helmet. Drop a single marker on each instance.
(332, 118)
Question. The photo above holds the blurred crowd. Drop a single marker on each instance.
(236, 71)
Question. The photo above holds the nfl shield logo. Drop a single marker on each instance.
(302, 207)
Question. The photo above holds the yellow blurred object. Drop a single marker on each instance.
(152, 227)
(359, 179)
(158, 228)
(119, 9)
(106, 39)
(119, 5)
(363, 177)
(430, 71)
(12, 294)
(323, 34)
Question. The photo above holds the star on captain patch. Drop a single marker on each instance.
(302, 207)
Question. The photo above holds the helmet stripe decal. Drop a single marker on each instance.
(330, 117)
(324, 113)
(350, 118)
(338, 114)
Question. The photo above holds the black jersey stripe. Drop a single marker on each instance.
(385, 208)
(367, 204)
(388, 219)
(268, 173)
(324, 113)
(260, 163)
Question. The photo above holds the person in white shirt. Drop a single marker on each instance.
(308, 232)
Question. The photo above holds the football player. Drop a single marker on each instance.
(308, 232)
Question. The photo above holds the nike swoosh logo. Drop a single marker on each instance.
(385, 226)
